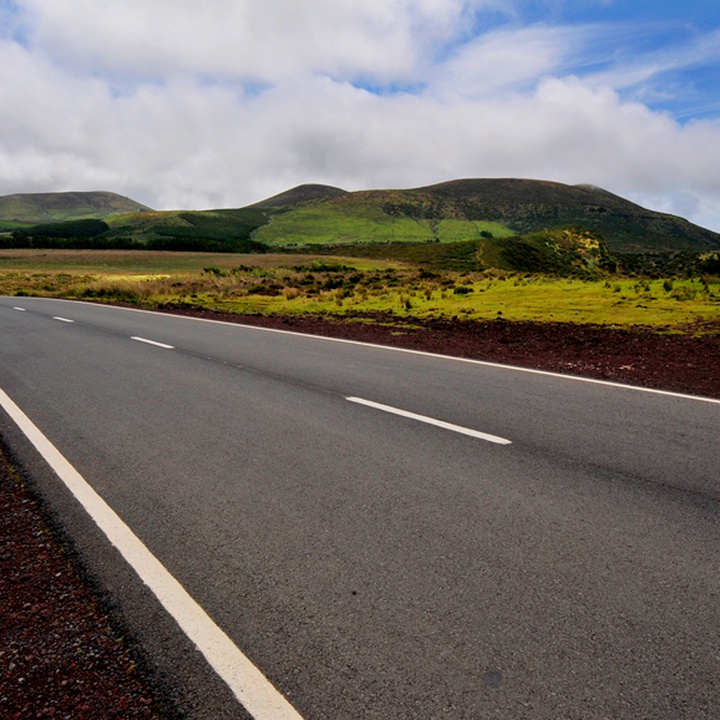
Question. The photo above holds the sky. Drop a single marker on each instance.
(182, 104)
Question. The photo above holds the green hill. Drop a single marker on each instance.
(21, 210)
(508, 223)
(300, 194)
(373, 216)
(528, 206)
(560, 251)
(475, 209)
(207, 230)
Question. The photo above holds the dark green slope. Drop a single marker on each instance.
(528, 206)
(300, 194)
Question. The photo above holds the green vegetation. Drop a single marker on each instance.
(321, 219)
(364, 218)
(474, 249)
(232, 228)
(211, 231)
(357, 289)
(35, 208)
(563, 251)
(671, 264)
(71, 229)
(458, 256)
(530, 206)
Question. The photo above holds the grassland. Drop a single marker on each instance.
(33, 208)
(356, 288)
(339, 222)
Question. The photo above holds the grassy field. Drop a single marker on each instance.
(365, 222)
(295, 284)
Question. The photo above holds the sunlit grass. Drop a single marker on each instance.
(300, 284)
(365, 222)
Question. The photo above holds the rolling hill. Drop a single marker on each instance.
(496, 216)
(300, 194)
(475, 209)
(35, 208)
(528, 206)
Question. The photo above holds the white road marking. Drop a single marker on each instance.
(19, 309)
(153, 342)
(421, 353)
(432, 421)
(252, 689)
(62, 319)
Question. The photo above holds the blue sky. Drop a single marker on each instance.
(219, 104)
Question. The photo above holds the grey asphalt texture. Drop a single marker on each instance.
(370, 565)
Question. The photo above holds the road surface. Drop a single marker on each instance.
(382, 534)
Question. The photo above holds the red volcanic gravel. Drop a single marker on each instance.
(59, 658)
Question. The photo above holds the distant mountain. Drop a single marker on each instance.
(527, 206)
(37, 208)
(487, 212)
(300, 194)
(477, 208)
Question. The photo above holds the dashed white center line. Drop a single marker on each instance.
(431, 421)
(19, 309)
(153, 342)
(62, 319)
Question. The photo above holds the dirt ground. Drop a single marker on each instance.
(59, 656)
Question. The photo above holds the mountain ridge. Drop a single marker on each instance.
(315, 214)
(522, 206)
(299, 194)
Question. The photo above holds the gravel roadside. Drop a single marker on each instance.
(59, 657)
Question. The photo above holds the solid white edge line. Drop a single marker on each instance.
(422, 353)
(153, 342)
(252, 689)
(62, 319)
(431, 421)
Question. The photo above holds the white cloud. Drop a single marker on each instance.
(174, 138)
(504, 61)
(269, 40)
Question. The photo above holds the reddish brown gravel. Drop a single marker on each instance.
(59, 657)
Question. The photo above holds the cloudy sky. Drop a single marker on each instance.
(220, 103)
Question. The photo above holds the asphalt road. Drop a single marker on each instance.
(370, 564)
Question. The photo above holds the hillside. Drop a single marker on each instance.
(528, 206)
(216, 230)
(476, 209)
(501, 218)
(300, 194)
(35, 208)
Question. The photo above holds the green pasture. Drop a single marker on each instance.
(356, 288)
(337, 224)
(7, 226)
